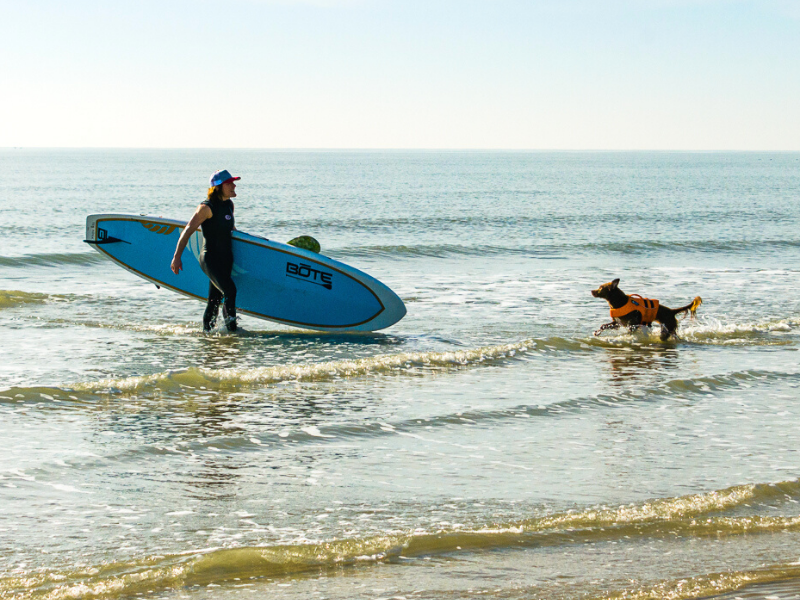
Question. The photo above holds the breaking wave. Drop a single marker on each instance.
(13, 298)
(714, 332)
(230, 379)
(712, 585)
(53, 259)
(636, 347)
(564, 250)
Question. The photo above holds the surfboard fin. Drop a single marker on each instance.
(306, 242)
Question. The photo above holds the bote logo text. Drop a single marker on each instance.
(311, 275)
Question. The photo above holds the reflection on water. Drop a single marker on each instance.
(640, 364)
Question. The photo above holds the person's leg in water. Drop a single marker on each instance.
(221, 281)
(229, 308)
(212, 308)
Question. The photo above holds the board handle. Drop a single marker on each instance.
(108, 240)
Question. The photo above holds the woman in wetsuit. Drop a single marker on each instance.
(215, 217)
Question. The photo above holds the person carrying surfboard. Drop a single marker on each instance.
(215, 217)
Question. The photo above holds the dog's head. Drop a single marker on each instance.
(605, 290)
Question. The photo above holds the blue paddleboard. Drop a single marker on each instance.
(274, 281)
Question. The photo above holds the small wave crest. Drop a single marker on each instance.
(205, 380)
(13, 298)
(715, 332)
(643, 247)
(670, 509)
(713, 585)
(52, 259)
(327, 371)
(231, 379)
(178, 329)
(444, 251)
(552, 250)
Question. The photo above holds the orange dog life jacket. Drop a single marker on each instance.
(647, 307)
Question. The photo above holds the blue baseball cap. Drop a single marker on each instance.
(221, 177)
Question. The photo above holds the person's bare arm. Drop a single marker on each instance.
(202, 213)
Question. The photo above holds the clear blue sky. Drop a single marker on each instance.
(560, 74)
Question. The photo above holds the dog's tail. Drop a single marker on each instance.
(690, 308)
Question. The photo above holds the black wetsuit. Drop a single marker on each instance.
(216, 260)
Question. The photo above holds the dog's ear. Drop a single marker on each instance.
(615, 283)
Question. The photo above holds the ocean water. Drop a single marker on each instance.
(486, 446)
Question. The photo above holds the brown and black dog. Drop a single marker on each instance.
(633, 311)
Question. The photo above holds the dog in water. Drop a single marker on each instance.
(633, 311)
